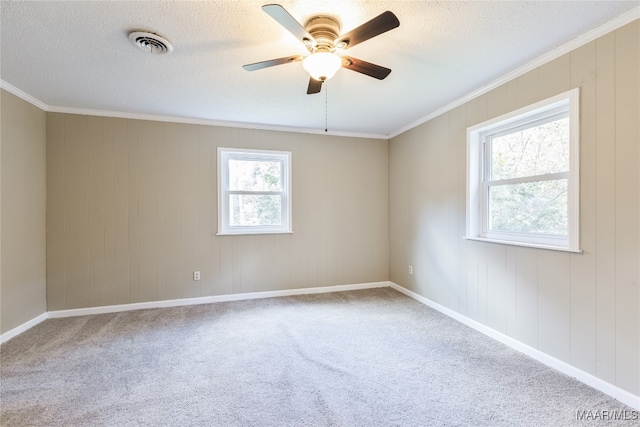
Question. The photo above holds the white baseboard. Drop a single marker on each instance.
(185, 301)
(189, 301)
(623, 396)
(212, 299)
(20, 329)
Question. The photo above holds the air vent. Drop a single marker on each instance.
(150, 42)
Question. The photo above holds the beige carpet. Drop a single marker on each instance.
(361, 358)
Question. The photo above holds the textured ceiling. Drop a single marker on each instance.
(77, 55)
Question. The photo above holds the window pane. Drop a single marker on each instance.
(533, 151)
(254, 175)
(249, 210)
(534, 207)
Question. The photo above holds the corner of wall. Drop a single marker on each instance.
(23, 206)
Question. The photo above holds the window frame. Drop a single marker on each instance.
(224, 193)
(479, 138)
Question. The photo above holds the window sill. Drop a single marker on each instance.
(526, 245)
(254, 233)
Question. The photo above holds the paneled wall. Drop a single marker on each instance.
(23, 196)
(132, 212)
(579, 308)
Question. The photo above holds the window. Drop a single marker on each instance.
(523, 176)
(254, 191)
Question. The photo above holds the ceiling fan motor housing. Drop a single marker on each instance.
(325, 30)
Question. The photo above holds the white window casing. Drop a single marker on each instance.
(480, 181)
(282, 193)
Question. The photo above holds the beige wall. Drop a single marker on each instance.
(23, 193)
(580, 308)
(132, 212)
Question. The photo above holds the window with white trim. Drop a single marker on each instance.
(254, 191)
(523, 176)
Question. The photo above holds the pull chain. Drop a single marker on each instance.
(326, 91)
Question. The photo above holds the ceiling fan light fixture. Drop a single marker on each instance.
(322, 65)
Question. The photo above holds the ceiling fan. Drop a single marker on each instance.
(320, 35)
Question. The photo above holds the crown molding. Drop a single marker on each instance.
(174, 119)
(585, 38)
(23, 95)
(207, 122)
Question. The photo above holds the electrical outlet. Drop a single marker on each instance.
(411, 269)
(196, 275)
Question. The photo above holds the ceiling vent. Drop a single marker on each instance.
(150, 42)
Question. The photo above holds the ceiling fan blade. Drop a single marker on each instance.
(272, 62)
(378, 25)
(315, 86)
(364, 67)
(283, 17)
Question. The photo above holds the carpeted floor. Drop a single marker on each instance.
(361, 358)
